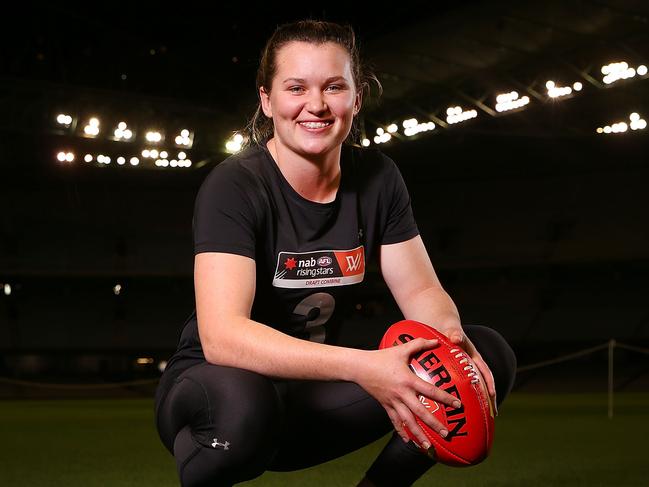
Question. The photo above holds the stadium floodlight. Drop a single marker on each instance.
(122, 132)
(413, 127)
(64, 119)
(555, 91)
(577, 86)
(510, 101)
(635, 123)
(365, 142)
(134, 161)
(88, 158)
(182, 155)
(153, 136)
(92, 128)
(173, 163)
(7, 289)
(234, 144)
(641, 70)
(164, 154)
(117, 289)
(153, 154)
(457, 114)
(392, 128)
(380, 131)
(121, 160)
(618, 70)
(146, 153)
(102, 159)
(185, 139)
(383, 137)
(63, 156)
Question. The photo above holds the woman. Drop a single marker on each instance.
(282, 234)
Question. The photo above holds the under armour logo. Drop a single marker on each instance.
(216, 443)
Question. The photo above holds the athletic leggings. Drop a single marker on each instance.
(227, 425)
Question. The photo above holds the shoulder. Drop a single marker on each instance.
(373, 167)
(243, 166)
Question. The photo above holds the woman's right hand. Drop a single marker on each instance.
(387, 377)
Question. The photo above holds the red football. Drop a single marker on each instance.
(471, 426)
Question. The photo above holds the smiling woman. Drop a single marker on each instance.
(283, 232)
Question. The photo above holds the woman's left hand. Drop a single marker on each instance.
(457, 336)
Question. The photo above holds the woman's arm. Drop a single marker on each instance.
(225, 288)
(409, 274)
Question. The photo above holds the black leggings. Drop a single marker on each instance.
(227, 425)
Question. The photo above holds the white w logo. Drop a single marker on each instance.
(353, 262)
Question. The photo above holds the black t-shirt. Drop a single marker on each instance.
(310, 257)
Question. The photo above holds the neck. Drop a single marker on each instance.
(316, 178)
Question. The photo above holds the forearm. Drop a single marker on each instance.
(432, 306)
(254, 346)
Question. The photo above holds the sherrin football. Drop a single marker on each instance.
(471, 426)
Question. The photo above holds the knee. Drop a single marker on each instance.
(498, 355)
(228, 431)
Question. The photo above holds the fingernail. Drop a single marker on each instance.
(405, 439)
(443, 433)
(426, 445)
(456, 404)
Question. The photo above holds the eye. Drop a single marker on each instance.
(334, 88)
(295, 89)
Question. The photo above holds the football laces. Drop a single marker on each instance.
(471, 374)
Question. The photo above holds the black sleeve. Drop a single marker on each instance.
(400, 224)
(224, 216)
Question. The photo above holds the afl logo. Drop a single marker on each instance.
(324, 261)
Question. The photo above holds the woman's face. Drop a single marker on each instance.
(313, 98)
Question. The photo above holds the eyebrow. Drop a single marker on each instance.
(302, 80)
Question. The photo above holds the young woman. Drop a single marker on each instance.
(282, 234)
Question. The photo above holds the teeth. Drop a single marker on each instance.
(315, 125)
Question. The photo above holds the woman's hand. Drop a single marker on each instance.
(387, 377)
(457, 336)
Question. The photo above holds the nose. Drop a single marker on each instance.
(316, 103)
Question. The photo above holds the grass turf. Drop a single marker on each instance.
(541, 440)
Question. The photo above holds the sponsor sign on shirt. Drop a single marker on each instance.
(321, 268)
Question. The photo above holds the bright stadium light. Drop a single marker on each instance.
(380, 131)
(146, 153)
(185, 139)
(92, 128)
(413, 127)
(234, 144)
(635, 123)
(7, 289)
(365, 142)
(619, 70)
(122, 132)
(153, 154)
(457, 114)
(134, 161)
(121, 161)
(510, 101)
(164, 154)
(153, 136)
(392, 128)
(182, 155)
(69, 157)
(64, 119)
(88, 158)
(641, 70)
(555, 91)
(61, 156)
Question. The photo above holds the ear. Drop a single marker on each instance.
(358, 102)
(265, 102)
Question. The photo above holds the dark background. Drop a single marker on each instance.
(536, 224)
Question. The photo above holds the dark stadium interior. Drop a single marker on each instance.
(536, 223)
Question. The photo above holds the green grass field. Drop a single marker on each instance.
(541, 440)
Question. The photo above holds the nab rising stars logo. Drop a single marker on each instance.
(321, 268)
